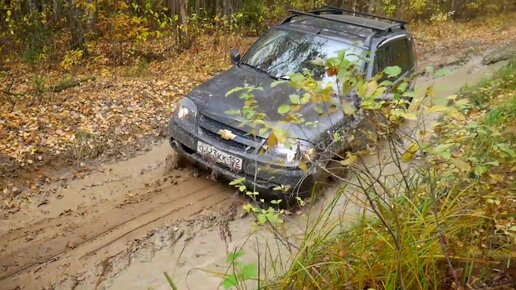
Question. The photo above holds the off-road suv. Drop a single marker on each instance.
(201, 130)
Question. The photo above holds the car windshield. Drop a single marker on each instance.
(280, 52)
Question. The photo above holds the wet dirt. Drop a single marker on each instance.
(123, 224)
(85, 224)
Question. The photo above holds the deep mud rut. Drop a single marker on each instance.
(122, 225)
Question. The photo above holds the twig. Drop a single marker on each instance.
(66, 85)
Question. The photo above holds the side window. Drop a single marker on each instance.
(381, 59)
(400, 53)
(393, 53)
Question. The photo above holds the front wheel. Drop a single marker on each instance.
(335, 171)
(176, 161)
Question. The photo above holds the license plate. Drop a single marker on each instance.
(219, 156)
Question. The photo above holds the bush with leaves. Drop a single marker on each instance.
(437, 211)
(383, 104)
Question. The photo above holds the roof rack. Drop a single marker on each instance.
(333, 10)
(342, 10)
(317, 15)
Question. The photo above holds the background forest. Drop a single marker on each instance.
(39, 29)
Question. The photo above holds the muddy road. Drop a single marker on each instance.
(84, 221)
(120, 225)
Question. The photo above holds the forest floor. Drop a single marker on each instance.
(87, 182)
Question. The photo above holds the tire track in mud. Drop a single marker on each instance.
(120, 233)
(76, 241)
(49, 249)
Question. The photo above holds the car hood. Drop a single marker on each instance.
(211, 100)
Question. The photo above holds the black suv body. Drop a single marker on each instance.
(201, 130)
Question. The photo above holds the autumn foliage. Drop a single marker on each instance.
(96, 79)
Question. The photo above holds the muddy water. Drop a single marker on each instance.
(125, 223)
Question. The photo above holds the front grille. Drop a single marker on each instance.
(217, 138)
(209, 123)
(210, 128)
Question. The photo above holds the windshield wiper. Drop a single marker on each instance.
(260, 70)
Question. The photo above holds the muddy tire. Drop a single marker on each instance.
(335, 171)
(176, 161)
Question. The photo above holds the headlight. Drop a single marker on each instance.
(183, 112)
(282, 152)
(187, 110)
(290, 156)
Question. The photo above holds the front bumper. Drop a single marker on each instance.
(259, 175)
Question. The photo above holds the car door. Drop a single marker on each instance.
(394, 51)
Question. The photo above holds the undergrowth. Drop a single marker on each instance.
(448, 223)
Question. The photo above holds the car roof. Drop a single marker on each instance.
(358, 30)
(348, 18)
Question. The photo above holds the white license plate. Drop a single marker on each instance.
(219, 156)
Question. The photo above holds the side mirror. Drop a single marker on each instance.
(234, 55)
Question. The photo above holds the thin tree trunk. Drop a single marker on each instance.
(76, 29)
(184, 38)
(371, 6)
(56, 7)
(227, 9)
(93, 18)
(182, 12)
(32, 5)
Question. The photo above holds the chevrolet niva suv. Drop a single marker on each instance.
(201, 130)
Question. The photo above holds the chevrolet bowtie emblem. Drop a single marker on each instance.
(226, 134)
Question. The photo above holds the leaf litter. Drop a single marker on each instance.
(114, 116)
